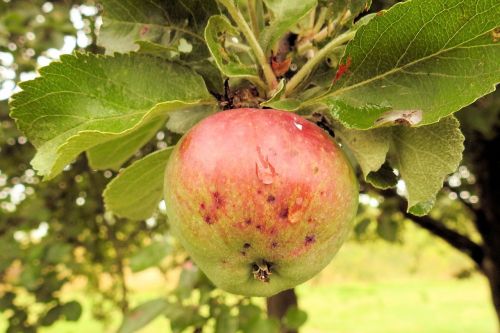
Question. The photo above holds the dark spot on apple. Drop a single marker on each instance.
(284, 213)
(246, 245)
(218, 200)
(259, 191)
(224, 261)
(274, 245)
(202, 205)
(315, 170)
(208, 219)
(273, 231)
(310, 239)
(243, 253)
(248, 221)
(271, 198)
(259, 227)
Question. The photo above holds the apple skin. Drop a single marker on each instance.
(261, 199)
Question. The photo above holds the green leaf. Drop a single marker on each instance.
(51, 316)
(7, 300)
(158, 50)
(210, 73)
(354, 116)
(248, 316)
(264, 325)
(30, 276)
(387, 228)
(346, 10)
(206, 68)
(286, 14)
(361, 227)
(278, 93)
(442, 57)
(150, 255)
(424, 156)
(364, 20)
(72, 311)
(190, 275)
(86, 100)
(384, 178)
(143, 315)
(112, 154)
(58, 253)
(183, 120)
(183, 317)
(294, 318)
(278, 100)
(286, 104)
(218, 33)
(225, 322)
(368, 147)
(172, 24)
(137, 190)
(422, 208)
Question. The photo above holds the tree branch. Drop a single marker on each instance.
(278, 305)
(452, 237)
(459, 241)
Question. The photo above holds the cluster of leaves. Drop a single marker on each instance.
(196, 304)
(458, 205)
(89, 103)
(389, 96)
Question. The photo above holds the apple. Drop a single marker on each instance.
(261, 199)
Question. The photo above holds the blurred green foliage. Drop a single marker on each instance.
(29, 28)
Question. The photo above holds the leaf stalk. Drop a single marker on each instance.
(271, 80)
(314, 61)
(253, 17)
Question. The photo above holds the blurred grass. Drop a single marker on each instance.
(456, 306)
(374, 287)
(412, 306)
